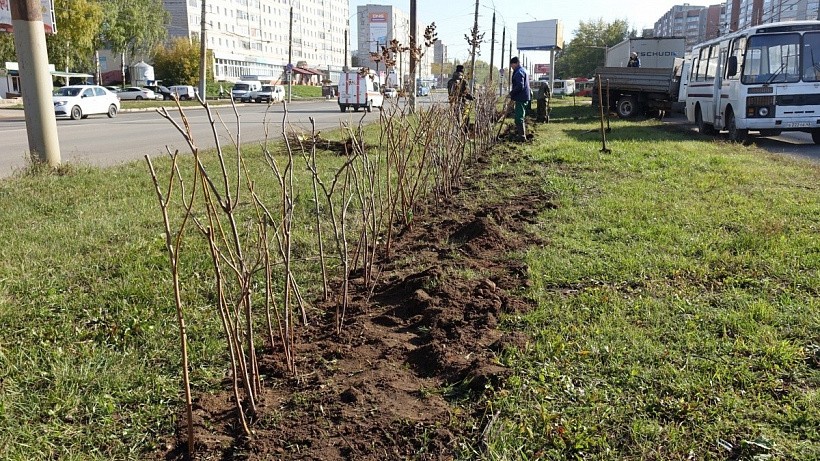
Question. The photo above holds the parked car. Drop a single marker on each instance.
(269, 93)
(133, 92)
(113, 89)
(391, 93)
(183, 92)
(80, 101)
(161, 90)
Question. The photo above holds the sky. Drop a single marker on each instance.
(454, 18)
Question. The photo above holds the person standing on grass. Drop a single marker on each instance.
(520, 94)
(541, 98)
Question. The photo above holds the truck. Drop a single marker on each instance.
(656, 53)
(633, 91)
(652, 88)
(243, 89)
(358, 90)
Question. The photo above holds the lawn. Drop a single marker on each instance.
(675, 305)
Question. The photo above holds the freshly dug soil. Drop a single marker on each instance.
(406, 377)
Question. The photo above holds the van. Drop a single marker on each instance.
(183, 92)
(269, 93)
(243, 89)
(359, 91)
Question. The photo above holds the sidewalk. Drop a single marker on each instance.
(11, 114)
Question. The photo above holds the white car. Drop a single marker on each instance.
(80, 101)
(133, 92)
(391, 93)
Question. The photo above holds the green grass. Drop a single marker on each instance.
(677, 302)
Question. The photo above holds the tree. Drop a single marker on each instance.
(78, 23)
(7, 52)
(134, 27)
(179, 62)
(586, 51)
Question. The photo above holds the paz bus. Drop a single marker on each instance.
(764, 79)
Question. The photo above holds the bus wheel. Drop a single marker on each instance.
(627, 107)
(815, 136)
(735, 134)
(703, 127)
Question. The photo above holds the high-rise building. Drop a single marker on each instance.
(253, 37)
(741, 14)
(378, 25)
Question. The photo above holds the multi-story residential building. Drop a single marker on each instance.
(253, 37)
(741, 14)
(681, 21)
(378, 25)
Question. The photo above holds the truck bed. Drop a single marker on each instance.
(638, 79)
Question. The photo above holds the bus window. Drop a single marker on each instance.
(811, 57)
(703, 59)
(772, 59)
(712, 65)
(738, 46)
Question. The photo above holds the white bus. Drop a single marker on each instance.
(764, 79)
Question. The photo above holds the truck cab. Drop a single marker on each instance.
(359, 91)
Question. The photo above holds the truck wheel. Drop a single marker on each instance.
(735, 134)
(627, 107)
(342, 108)
(356, 108)
(703, 127)
(815, 136)
(370, 106)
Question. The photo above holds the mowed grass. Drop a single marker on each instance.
(677, 301)
(89, 350)
(677, 305)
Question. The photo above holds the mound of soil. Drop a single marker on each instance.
(386, 388)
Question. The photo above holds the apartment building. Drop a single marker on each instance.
(741, 14)
(378, 25)
(253, 37)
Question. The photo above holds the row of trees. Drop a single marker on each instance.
(133, 27)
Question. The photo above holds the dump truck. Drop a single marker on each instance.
(633, 91)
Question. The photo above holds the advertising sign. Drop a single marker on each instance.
(540, 35)
(49, 24)
(378, 31)
(542, 68)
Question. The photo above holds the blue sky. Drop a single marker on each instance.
(454, 18)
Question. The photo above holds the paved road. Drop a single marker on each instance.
(101, 141)
(794, 143)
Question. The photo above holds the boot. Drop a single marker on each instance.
(520, 132)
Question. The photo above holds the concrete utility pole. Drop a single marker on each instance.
(345, 68)
(474, 39)
(289, 71)
(203, 74)
(501, 77)
(492, 52)
(35, 81)
(413, 61)
(509, 69)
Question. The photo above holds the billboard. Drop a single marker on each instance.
(540, 35)
(378, 31)
(542, 68)
(49, 24)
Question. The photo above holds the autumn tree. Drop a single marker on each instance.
(586, 51)
(78, 26)
(179, 62)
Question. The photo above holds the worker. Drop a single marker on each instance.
(541, 98)
(520, 94)
(633, 60)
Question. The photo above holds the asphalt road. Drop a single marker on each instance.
(101, 141)
(794, 143)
